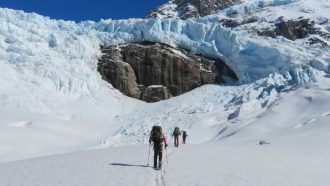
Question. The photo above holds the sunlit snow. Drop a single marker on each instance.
(54, 101)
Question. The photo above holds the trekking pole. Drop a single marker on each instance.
(166, 156)
(149, 154)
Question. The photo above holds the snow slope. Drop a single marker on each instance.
(296, 127)
(258, 15)
(52, 98)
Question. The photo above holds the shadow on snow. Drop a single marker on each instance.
(127, 165)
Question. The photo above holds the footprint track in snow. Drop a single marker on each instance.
(325, 114)
(159, 175)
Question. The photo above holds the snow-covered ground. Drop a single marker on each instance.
(296, 127)
(53, 101)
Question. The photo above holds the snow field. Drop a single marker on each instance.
(203, 164)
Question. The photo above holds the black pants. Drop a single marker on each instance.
(158, 154)
(184, 139)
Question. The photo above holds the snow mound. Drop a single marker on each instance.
(22, 124)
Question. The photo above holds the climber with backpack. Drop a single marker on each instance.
(184, 136)
(158, 139)
(176, 134)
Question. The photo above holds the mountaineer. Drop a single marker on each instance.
(158, 139)
(176, 134)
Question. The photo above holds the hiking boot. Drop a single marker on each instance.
(160, 166)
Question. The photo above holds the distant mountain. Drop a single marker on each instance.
(185, 9)
(265, 18)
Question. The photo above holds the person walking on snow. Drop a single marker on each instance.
(158, 139)
(184, 135)
(176, 134)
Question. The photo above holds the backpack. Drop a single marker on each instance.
(157, 135)
(176, 131)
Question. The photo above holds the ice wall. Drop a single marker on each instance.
(251, 57)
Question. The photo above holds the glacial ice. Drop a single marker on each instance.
(50, 66)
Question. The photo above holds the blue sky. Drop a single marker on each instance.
(80, 10)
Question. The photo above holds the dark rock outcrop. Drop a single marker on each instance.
(155, 93)
(317, 42)
(122, 75)
(153, 72)
(291, 29)
(233, 23)
(230, 23)
(297, 29)
(191, 8)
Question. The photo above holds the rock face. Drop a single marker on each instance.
(153, 72)
(292, 29)
(155, 93)
(122, 75)
(185, 9)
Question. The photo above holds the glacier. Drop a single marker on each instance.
(29, 41)
(55, 107)
(50, 67)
